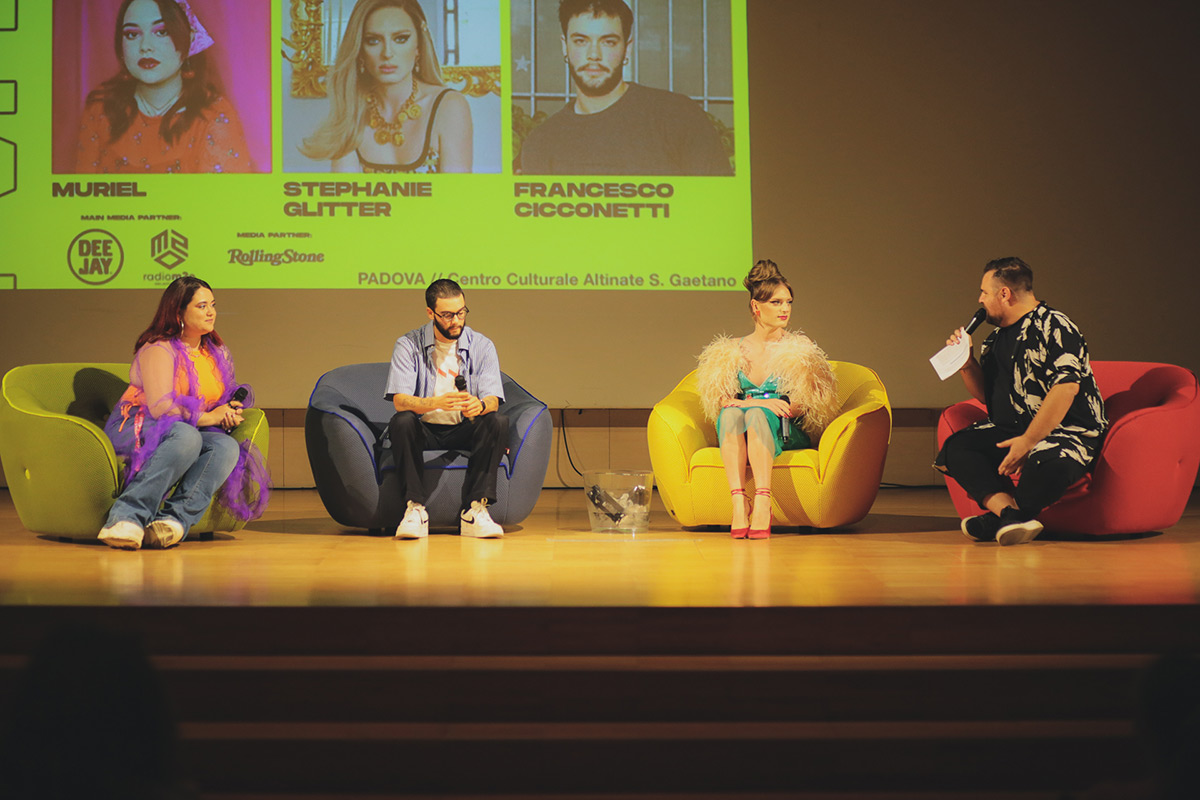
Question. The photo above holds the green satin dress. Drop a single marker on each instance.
(787, 433)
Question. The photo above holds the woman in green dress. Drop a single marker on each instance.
(769, 391)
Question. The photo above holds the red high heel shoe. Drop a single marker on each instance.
(761, 533)
(740, 533)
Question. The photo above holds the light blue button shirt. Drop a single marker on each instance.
(412, 371)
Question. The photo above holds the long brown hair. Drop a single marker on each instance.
(116, 95)
(168, 319)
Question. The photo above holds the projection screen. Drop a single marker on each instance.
(515, 183)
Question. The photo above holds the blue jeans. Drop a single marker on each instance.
(199, 461)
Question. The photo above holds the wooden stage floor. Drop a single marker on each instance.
(889, 661)
(908, 552)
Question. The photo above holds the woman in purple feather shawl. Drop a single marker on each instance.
(172, 426)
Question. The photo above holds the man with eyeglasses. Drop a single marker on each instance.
(429, 364)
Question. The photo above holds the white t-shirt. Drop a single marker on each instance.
(445, 362)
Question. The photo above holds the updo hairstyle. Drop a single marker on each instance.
(764, 279)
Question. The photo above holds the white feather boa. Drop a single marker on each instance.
(799, 366)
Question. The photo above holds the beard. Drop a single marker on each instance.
(437, 323)
(610, 82)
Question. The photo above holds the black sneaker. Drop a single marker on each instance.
(1014, 530)
(982, 528)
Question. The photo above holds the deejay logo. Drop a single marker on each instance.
(169, 248)
(95, 256)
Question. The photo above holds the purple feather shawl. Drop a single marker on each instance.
(136, 434)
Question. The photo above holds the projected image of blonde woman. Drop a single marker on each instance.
(389, 110)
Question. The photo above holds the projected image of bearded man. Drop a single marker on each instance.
(615, 126)
(595, 52)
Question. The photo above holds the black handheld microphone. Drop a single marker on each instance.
(238, 396)
(460, 383)
(948, 360)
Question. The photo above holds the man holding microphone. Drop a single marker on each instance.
(445, 385)
(1046, 418)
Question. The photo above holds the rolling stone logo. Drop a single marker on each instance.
(169, 249)
(95, 256)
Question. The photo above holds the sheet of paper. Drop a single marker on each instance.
(950, 359)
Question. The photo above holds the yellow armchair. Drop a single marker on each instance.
(831, 485)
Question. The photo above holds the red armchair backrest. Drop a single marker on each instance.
(1128, 386)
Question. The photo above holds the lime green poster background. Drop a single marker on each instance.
(265, 230)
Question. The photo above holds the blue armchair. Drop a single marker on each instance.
(356, 478)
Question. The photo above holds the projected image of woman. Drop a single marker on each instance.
(389, 110)
(173, 424)
(769, 391)
(161, 112)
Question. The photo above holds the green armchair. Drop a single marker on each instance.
(61, 468)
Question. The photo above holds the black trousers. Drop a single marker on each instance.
(971, 457)
(486, 438)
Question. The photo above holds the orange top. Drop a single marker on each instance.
(210, 384)
(213, 143)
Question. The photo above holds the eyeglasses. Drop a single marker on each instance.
(450, 316)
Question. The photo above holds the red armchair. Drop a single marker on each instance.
(1147, 465)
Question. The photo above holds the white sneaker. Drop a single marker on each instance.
(477, 522)
(415, 524)
(163, 533)
(122, 535)
(1014, 530)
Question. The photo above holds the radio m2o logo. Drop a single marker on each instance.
(169, 248)
(95, 257)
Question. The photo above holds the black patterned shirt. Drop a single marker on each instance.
(1049, 350)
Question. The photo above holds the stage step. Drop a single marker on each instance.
(568, 760)
(852, 704)
(652, 689)
(628, 632)
(935, 795)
